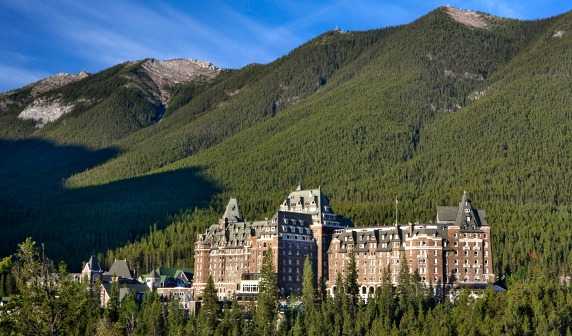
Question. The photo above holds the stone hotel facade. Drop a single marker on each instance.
(455, 251)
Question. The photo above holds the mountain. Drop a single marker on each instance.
(98, 109)
(452, 101)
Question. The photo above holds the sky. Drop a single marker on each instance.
(40, 38)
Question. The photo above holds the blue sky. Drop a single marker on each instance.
(40, 37)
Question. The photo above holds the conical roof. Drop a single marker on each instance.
(93, 264)
(232, 212)
(467, 216)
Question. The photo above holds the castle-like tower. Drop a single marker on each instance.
(323, 222)
(453, 251)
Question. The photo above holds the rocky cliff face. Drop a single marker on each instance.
(469, 18)
(43, 111)
(167, 73)
(56, 81)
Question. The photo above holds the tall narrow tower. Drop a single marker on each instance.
(324, 222)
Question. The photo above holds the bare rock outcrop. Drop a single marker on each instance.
(55, 82)
(175, 71)
(468, 18)
(45, 110)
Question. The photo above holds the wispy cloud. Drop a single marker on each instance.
(14, 76)
(129, 30)
(71, 35)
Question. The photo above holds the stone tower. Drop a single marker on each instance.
(324, 222)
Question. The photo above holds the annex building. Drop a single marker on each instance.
(454, 251)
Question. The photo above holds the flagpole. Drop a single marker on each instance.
(396, 201)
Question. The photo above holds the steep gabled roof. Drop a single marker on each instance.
(93, 264)
(120, 269)
(232, 212)
(465, 215)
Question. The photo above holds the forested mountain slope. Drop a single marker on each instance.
(235, 102)
(440, 108)
(421, 112)
(199, 113)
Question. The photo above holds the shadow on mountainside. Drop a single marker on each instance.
(76, 222)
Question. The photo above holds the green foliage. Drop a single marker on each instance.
(539, 306)
(48, 302)
(210, 310)
(267, 300)
(232, 321)
(351, 280)
(124, 111)
(308, 288)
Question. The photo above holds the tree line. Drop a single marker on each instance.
(48, 302)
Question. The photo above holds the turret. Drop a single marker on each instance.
(153, 280)
(467, 217)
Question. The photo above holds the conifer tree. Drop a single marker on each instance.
(308, 289)
(112, 310)
(152, 321)
(298, 328)
(209, 313)
(175, 319)
(5, 268)
(338, 303)
(351, 281)
(128, 315)
(235, 318)
(49, 302)
(267, 304)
